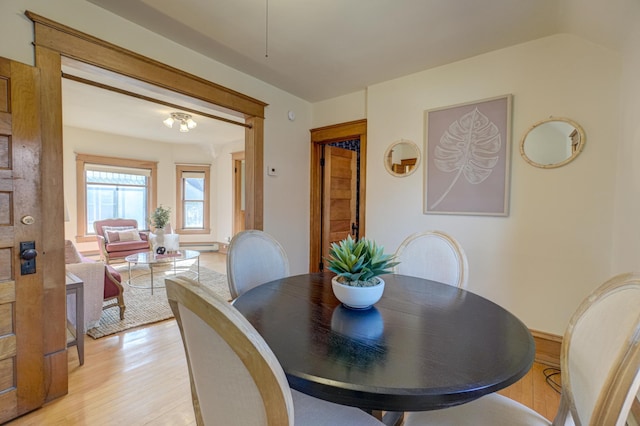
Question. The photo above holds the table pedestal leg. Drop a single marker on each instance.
(389, 418)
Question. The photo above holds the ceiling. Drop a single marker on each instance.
(322, 49)
(318, 50)
(86, 106)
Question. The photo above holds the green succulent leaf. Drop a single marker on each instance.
(359, 262)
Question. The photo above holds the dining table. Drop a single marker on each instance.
(424, 346)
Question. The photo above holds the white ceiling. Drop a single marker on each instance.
(88, 107)
(322, 49)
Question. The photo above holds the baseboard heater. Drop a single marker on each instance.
(200, 246)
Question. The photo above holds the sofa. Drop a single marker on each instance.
(118, 238)
(102, 283)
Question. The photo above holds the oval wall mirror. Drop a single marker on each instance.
(553, 142)
(402, 158)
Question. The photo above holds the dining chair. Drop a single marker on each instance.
(433, 255)
(600, 364)
(235, 377)
(253, 258)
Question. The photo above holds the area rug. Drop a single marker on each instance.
(144, 308)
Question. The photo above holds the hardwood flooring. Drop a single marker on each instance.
(140, 377)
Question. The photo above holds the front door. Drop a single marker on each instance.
(21, 294)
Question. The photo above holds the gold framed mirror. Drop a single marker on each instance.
(402, 158)
(552, 142)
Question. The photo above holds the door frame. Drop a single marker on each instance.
(237, 158)
(321, 136)
(53, 41)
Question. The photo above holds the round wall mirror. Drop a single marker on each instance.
(553, 142)
(402, 158)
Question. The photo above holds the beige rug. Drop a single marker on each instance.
(144, 308)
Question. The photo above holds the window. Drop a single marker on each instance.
(111, 188)
(192, 191)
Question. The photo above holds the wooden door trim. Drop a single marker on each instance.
(68, 42)
(321, 136)
(237, 182)
(53, 42)
(75, 44)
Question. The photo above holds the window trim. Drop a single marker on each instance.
(81, 186)
(200, 168)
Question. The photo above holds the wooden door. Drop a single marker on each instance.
(21, 320)
(339, 195)
(238, 192)
(322, 137)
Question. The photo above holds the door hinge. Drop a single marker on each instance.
(321, 266)
(322, 162)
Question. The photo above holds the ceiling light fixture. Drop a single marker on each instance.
(185, 120)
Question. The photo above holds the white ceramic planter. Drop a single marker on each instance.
(357, 297)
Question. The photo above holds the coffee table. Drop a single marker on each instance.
(152, 259)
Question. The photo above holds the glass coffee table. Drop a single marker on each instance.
(172, 259)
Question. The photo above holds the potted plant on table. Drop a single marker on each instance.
(158, 220)
(160, 217)
(358, 265)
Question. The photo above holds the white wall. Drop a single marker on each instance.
(626, 253)
(286, 196)
(342, 109)
(554, 247)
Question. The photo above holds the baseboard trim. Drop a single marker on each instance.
(547, 348)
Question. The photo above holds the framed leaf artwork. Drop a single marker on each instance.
(468, 150)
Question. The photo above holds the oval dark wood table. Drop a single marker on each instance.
(424, 346)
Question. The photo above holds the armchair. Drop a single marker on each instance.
(102, 283)
(118, 238)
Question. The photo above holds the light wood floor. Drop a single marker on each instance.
(139, 377)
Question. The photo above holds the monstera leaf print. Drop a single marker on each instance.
(469, 147)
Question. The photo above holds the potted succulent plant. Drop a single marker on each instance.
(358, 265)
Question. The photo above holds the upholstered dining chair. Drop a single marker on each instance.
(253, 258)
(600, 365)
(433, 255)
(235, 377)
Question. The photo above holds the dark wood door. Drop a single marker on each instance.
(339, 195)
(21, 319)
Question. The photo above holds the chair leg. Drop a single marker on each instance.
(121, 306)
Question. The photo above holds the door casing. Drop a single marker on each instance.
(238, 191)
(53, 41)
(321, 136)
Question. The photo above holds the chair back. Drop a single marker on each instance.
(235, 377)
(600, 359)
(433, 255)
(253, 258)
(98, 224)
